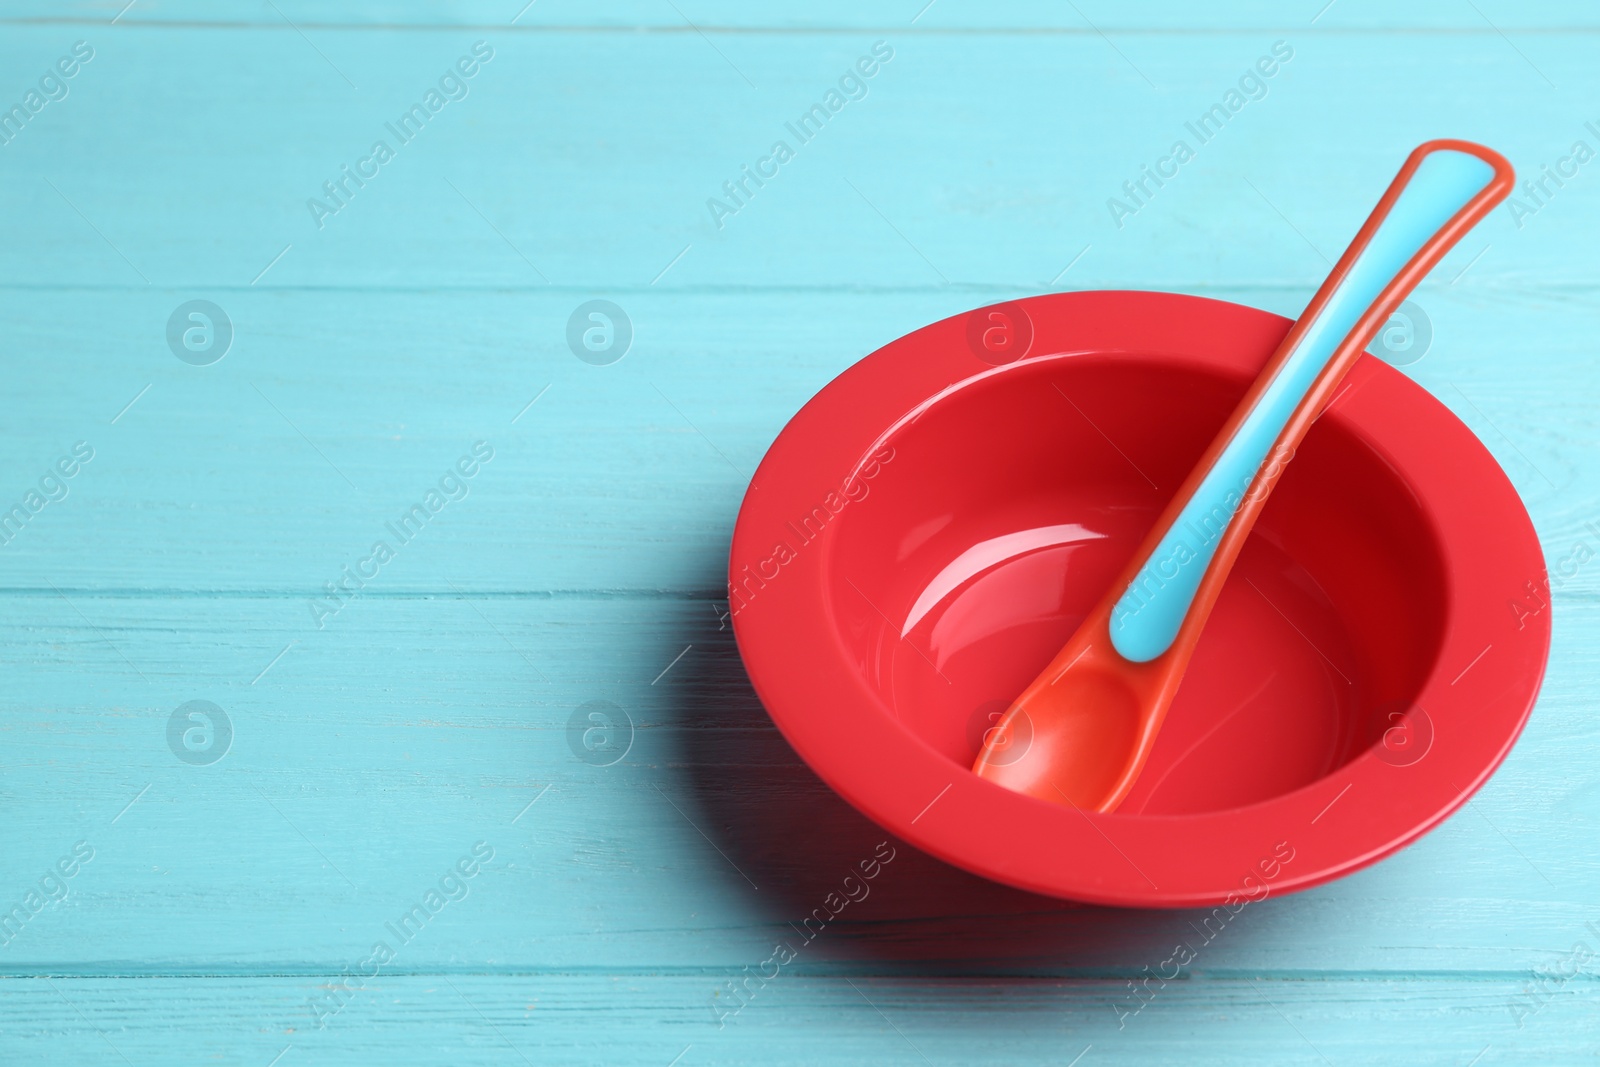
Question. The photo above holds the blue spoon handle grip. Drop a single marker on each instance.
(1444, 181)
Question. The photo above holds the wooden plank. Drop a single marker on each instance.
(971, 160)
(275, 468)
(562, 1018)
(371, 756)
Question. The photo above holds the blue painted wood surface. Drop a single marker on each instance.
(228, 911)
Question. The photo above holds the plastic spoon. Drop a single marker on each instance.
(1080, 734)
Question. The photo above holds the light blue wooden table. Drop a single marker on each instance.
(395, 764)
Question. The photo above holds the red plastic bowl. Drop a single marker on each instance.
(929, 529)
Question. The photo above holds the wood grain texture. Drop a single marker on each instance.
(373, 749)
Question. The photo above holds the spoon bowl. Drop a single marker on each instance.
(1087, 744)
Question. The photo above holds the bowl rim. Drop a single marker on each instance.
(1367, 809)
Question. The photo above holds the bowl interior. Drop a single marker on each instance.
(1009, 505)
